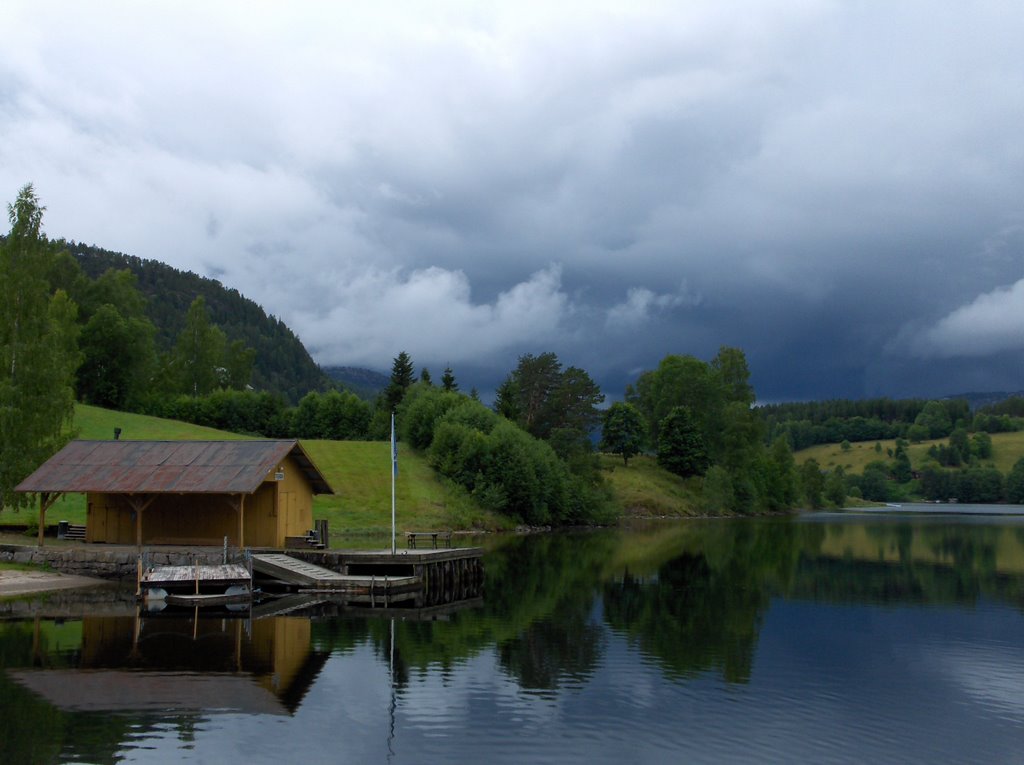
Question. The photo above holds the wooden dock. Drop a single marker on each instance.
(209, 577)
(309, 577)
(417, 578)
(443, 575)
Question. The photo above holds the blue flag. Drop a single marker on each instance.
(394, 447)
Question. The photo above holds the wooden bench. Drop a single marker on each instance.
(444, 537)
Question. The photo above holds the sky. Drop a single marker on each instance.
(834, 187)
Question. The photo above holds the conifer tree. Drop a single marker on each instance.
(401, 379)
(448, 380)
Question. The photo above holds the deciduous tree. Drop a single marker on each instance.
(681, 447)
(38, 351)
(624, 431)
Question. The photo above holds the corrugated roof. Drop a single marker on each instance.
(171, 467)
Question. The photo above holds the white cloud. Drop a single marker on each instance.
(343, 164)
(992, 323)
(641, 303)
(430, 313)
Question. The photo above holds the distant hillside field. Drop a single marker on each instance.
(1007, 448)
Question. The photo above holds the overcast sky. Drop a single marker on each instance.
(834, 187)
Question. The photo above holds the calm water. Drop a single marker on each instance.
(831, 638)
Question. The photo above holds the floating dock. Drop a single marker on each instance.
(195, 585)
(417, 578)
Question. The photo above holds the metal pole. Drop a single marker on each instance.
(394, 472)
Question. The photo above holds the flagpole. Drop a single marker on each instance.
(394, 472)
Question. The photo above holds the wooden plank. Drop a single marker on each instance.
(230, 572)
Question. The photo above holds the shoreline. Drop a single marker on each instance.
(14, 583)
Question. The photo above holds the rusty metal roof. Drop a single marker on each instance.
(169, 467)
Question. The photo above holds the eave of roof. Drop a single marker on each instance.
(169, 467)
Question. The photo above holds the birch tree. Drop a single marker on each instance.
(38, 350)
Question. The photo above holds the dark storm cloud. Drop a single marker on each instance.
(833, 187)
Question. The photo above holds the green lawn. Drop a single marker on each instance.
(359, 472)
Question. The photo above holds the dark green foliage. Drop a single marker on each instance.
(425, 376)
(936, 418)
(336, 416)
(835, 487)
(874, 482)
(118, 359)
(973, 484)
(716, 491)
(365, 383)
(819, 422)
(901, 468)
(422, 407)
(678, 381)
(722, 428)
(623, 431)
(506, 399)
(194, 366)
(779, 489)
(542, 398)
(733, 375)
(506, 469)
(681, 447)
(401, 379)
(281, 362)
(38, 350)
(981, 445)
(1012, 406)
(812, 484)
(448, 380)
(254, 413)
(918, 433)
(1015, 483)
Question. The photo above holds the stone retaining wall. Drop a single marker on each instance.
(106, 563)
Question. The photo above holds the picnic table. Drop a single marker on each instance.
(444, 537)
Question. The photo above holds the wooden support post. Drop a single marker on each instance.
(46, 500)
(42, 516)
(138, 505)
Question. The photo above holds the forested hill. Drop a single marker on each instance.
(365, 383)
(282, 362)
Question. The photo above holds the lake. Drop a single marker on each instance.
(821, 638)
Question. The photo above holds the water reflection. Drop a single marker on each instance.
(638, 626)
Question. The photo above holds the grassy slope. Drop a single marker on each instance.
(1007, 448)
(643, 489)
(360, 473)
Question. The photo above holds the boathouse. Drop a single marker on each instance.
(255, 493)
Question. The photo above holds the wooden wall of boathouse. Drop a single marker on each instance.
(281, 507)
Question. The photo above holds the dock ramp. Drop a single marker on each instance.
(297, 572)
